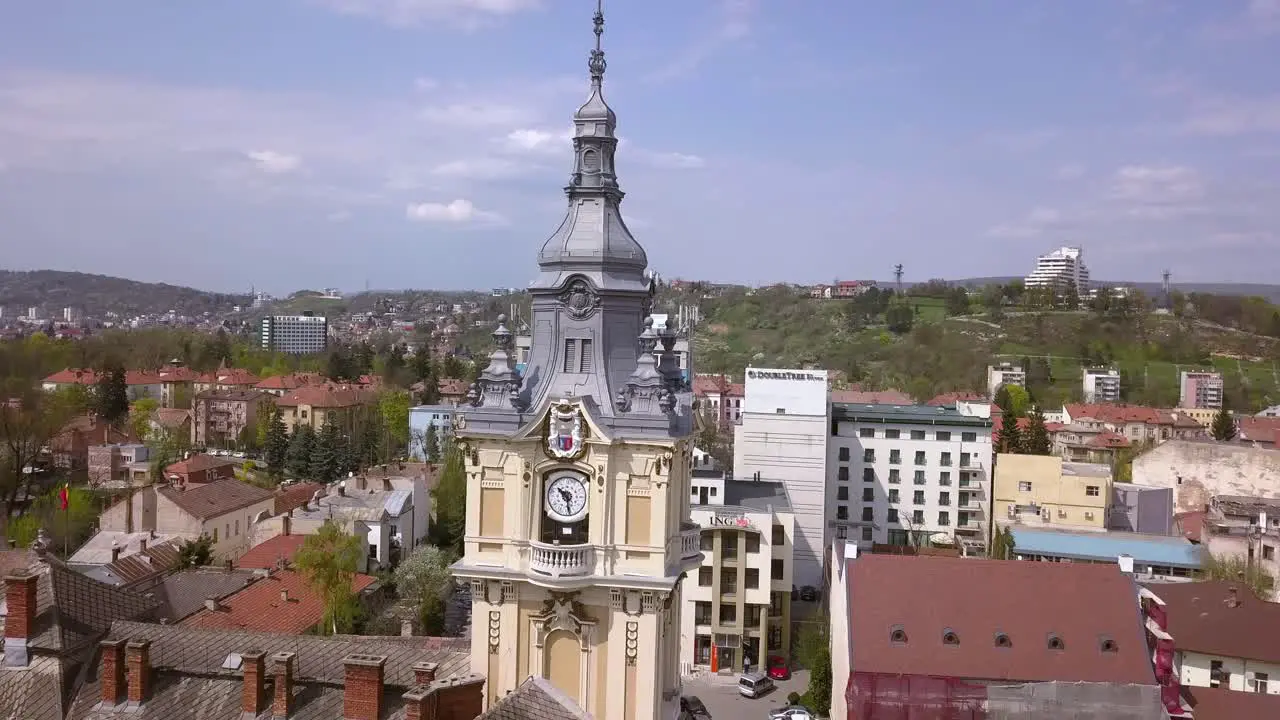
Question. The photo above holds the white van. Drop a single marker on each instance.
(754, 684)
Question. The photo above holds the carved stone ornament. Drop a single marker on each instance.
(579, 300)
(563, 612)
(633, 642)
(495, 631)
(565, 434)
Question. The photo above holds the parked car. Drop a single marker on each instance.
(778, 669)
(809, 593)
(691, 708)
(794, 712)
(754, 684)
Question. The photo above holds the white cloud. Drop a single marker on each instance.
(458, 212)
(529, 140)
(411, 13)
(1229, 116)
(1036, 222)
(732, 24)
(479, 169)
(272, 162)
(1158, 191)
(671, 160)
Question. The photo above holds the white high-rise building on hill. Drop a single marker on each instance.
(1059, 269)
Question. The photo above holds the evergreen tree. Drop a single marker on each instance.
(1009, 439)
(451, 500)
(301, 445)
(1224, 426)
(328, 454)
(276, 446)
(420, 364)
(430, 394)
(431, 444)
(112, 395)
(1036, 441)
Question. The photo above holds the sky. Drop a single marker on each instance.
(288, 144)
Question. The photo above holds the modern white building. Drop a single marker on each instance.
(782, 437)
(295, 334)
(1200, 389)
(1004, 374)
(1101, 385)
(422, 418)
(909, 475)
(1060, 269)
(736, 609)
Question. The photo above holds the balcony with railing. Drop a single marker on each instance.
(561, 562)
(690, 541)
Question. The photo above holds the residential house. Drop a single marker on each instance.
(172, 422)
(119, 465)
(273, 553)
(139, 383)
(200, 468)
(295, 495)
(53, 618)
(1199, 470)
(1260, 432)
(224, 510)
(166, 672)
(1042, 490)
(314, 405)
(1012, 640)
(1222, 636)
(281, 602)
(108, 546)
(279, 385)
(453, 391)
(224, 379)
(1247, 529)
(152, 558)
(719, 399)
(69, 449)
(228, 418)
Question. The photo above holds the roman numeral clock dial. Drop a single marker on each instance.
(566, 497)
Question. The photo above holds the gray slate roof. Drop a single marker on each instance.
(536, 699)
(183, 593)
(189, 681)
(216, 498)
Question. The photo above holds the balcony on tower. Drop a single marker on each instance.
(561, 562)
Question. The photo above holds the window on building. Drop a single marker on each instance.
(706, 542)
(237, 528)
(944, 498)
(753, 543)
(844, 454)
(942, 436)
(1091, 490)
(780, 411)
(866, 534)
(776, 569)
(842, 473)
(891, 434)
(728, 614)
(704, 577)
(945, 460)
(895, 477)
(944, 518)
(1217, 675)
(917, 434)
(728, 580)
(751, 580)
(868, 455)
(779, 535)
(917, 517)
(921, 458)
(571, 355)
(1260, 682)
(893, 495)
(842, 532)
(964, 459)
(868, 514)
(1268, 552)
(893, 515)
(895, 457)
(866, 432)
(753, 615)
(215, 535)
(918, 478)
(969, 437)
(702, 613)
(917, 497)
(868, 474)
(944, 479)
(842, 512)
(868, 494)
(729, 544)
(1024, 486)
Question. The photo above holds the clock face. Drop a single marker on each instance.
(566, 497)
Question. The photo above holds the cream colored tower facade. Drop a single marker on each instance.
(578, 534)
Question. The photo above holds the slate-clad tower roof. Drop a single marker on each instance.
(590, 302)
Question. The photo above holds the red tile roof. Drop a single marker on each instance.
(1202, 620)
(717, 384)
(1116, 413)
(268, 553)
(1190, 524)
(1082, 604)
(197, 463)
(1258, 429)
(452, 387)
(1109, 440)
(325, 396)
(172, 418)
(997, 420)
(212, 500)
(951, 398)
(229, 376)
(74, 376)
(292, 381)
(295, 496)
(281, 603)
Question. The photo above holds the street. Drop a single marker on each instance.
(720, 695)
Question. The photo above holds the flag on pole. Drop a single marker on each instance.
(64, 497)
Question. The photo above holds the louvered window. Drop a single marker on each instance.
(587, 356)
(570, 355)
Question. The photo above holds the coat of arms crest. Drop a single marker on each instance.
(564, 435)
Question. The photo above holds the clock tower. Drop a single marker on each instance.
(578, 532)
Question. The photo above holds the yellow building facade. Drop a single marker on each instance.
(1044, 491)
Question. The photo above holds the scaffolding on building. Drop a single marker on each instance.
(876, 696)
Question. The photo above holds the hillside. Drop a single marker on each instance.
(1270, 292)
(52, 290)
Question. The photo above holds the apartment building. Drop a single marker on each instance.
(295, 334)
(1004, 374)
(1200, 390)
(719, 398)
(909, 475)
(738, 612)
(1101, 385)
(782, 437)
(226, 418)
(1059, 270)
(1042, 490)
(315, 405)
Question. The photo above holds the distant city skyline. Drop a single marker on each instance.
(288, 144)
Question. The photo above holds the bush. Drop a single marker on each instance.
(793, 698)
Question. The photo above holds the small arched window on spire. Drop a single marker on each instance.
(1003, 641)
(591, 161)
(898, 635)
(949, 637)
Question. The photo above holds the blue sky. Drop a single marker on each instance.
(423, 143)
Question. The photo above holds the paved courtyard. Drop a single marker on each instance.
(720, 694)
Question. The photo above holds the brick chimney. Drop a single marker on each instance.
(286, 523)
(138, 658)
(455, 698)
(282, 705)
(424, 673)
(20, 598)
(112, 672)
(362, 689)
(253, 692)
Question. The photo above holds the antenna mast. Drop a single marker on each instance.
(897, 277)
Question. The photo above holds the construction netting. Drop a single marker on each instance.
(873, 696)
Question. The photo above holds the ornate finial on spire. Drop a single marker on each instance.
(596, 63)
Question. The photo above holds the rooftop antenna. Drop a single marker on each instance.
(1166, 275)
(897, 277)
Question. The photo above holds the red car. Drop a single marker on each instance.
(778, 669)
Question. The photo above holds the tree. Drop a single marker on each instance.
(301, 445)
(1013, 399)
(66, 528)
(1237, 569)
(450, 498)
(276, 446)
(140, 417)
(1224, 426)
(196, 553)
(814, 653)
(393, 410)
(958, 301)
(420, 365)
(27, 425)
(328, 454)
(329, 560)
(899, 318)
(1036, 441)
(1009, 438)
(1002, 544)
(112, 395)
(431, 444)
(425, 578)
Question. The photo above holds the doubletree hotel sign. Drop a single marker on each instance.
(732, 521)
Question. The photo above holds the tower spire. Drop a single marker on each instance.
(596, 63)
